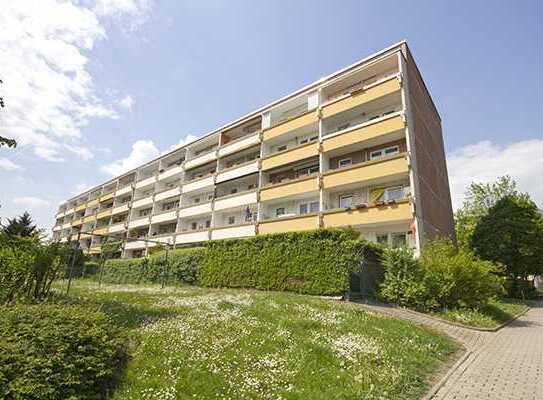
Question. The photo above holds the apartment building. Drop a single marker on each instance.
(360, 148)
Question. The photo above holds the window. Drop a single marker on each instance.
(392, 150)
(279, 211)
(282, 148)
(388, 151)
(398, 240)
(303, 209)
(345, 200)
(342, 127)
(314, 206)
(382, 239)
(208, 223)
(233, 191)
(193, 226)
(251, 186)
(394, 193)
(346, 162)
(231, 220)
(196, 200)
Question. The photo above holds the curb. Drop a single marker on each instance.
(432, 392)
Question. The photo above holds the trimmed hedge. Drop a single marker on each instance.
(311, 262)
(182, 267)
(51, 351)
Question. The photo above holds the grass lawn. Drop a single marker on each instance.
(198, 343)
(489, 316)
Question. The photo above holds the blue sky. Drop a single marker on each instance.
(92, 87)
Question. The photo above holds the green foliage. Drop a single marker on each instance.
(57, 352)
(480, 197)
(512, 234)
(22, 226)
(444, 276)
(312, 262)
(179, 266)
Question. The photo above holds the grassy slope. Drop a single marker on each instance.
(489, 316)
(195, 343)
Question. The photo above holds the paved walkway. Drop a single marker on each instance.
(503, 365)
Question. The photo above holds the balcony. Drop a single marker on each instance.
(363, 132)
(124, 190)
(69, 212)
(66, 225)
(173, 171)
(89, 218)
(291, 155)
(199, 184)
(103, 214)
(192, 211)
(164, 216)
(118, 227)
(100, 231)
(399, 211)
(106, 197)
(146, 182)
(134, 245)
(92, 202)
(386, 168)
(120, 209)
(176, 191)
(95, 249)
(299, 121)
(81, 207)
(233, 232)
(354, 99)
(289, 224)
(239, 144)
(166, 238)
(201, 159)
(238, 171)
(290, 188)
(235, 200)
(143, 221)
(77, 222)
(192, 237)
(57, 228)
(143, 202)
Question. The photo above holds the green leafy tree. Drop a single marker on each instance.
(21, 226)
(480, 197)
(512, 234)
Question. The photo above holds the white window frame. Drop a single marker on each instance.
(391, 188)
(277, 214)
(382, 152)
(349, 160)
(231, 220)
(344, 196)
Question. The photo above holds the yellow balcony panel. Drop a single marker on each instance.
(89, 218)
(290, 224)
(363, 133)
(92, 203)
(290, 156)
(77, 222)
(387, 168)
(95, 250)
(85, 236)
(106, 197)
(103, 214)
(290, 188)
(100, 231)
(397, 212)
(81, 207)
(360, 97)
(290, 124)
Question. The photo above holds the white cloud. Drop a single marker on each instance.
(485, 161)
(9, 165)
(181, 143)
(138, 10)
(30, 202)
(80, 151)
(49, 93)
(142, 151)
(127, 102)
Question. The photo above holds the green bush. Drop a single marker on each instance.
(443, 277)
(57, 352)
(312, 262)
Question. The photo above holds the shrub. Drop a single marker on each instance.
(443, 277)
(57, 352)
(312, 262)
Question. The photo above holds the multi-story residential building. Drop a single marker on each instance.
(360, 148)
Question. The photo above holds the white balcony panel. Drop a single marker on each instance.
(117, 228)
(199, 184)
(143, 202)
(133, 245)
(124, 190)
(63, 240)
(119, 209)
(176, 191)
(238, 172)
(241, 144)
(195, 210)
(138, 222)
(165, 239)
(67, 225)
(57, 228)
(171, 172)
(146, 182)
(192, 237)
(70, 211)
(200, 160)
(167, 216)
(234, 232)
(61, 214)
(235, 201)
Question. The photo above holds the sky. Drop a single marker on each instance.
(93, 88)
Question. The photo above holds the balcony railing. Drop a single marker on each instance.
(387, 212)
(289, 224)
(291, 155)
(293, 187)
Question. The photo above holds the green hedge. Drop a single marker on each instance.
(182, 267)
(51, 351)
(312, 262)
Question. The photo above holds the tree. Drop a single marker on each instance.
(22, 226)
(512, 234)
(480, 197)
(3, 140)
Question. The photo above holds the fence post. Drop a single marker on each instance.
(70, 273)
